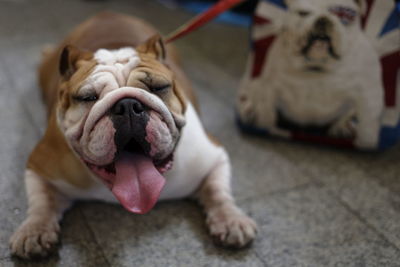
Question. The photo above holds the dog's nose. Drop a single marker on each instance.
(322, 23)
(127, 106)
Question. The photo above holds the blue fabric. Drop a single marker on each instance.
(389, 136)
(280, 3)
(393, 21)
(227, 16)
(251, 129)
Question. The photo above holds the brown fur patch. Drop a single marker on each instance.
(174, 98)
(214, 140)
(53, 159)
(70, 87)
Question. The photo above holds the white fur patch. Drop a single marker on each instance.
(97, 191)
(125, 55)
(195, 157)
(114, 67)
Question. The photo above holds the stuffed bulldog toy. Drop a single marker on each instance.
(122, 127)
(324, 71)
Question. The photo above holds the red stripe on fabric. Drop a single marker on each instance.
(364, 18)
(340, 142)
(261, 48)
(260, 20)
(203, 18)
(390, 67)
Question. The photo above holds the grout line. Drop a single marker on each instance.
(277, 192)
(354, 212)
(362, 219)
(261, 259)
(94, 236)
(388, 188)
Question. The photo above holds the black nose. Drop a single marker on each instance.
(127, 106)
(322, 23)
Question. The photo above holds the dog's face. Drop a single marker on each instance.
(122, 112)
(317, 34)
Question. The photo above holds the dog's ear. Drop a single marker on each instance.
(154, 46)
(362, 4)
(69, 58)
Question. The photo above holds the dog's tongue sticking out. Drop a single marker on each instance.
(137, 183)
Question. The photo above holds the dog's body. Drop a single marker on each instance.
(117, 114)
(321, 71)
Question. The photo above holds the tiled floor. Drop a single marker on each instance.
(315, 206)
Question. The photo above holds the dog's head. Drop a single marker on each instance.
(122, 112)
(318, 34)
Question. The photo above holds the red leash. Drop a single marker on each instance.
(202, 19)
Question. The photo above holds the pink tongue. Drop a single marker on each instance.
(137, 184)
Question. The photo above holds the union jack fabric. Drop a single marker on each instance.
(381, 24)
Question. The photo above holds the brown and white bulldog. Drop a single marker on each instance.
(122, 126)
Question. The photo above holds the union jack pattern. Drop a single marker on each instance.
(381, 24)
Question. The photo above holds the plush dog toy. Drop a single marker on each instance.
(122, 127)
(322, 72)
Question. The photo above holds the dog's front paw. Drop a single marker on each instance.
(245, 109)
(343, 129)
(230, 227)
(35, 238)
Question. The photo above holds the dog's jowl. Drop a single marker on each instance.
(122, 127)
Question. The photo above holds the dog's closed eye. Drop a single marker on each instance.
(86, 93)
(85, 98)
(159, 87)
(155, 83)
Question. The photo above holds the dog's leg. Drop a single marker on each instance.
(267, 118)
(367, 132)
(226, 222)
(256, 106)
(369, 122)
(38, 234)
(267, 114)
(344, 126)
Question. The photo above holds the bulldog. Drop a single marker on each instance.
(122, 127)
(322, 71)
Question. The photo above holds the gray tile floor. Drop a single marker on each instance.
(315, 206)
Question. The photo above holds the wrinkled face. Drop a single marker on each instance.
(122, 112)
(317, 34)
